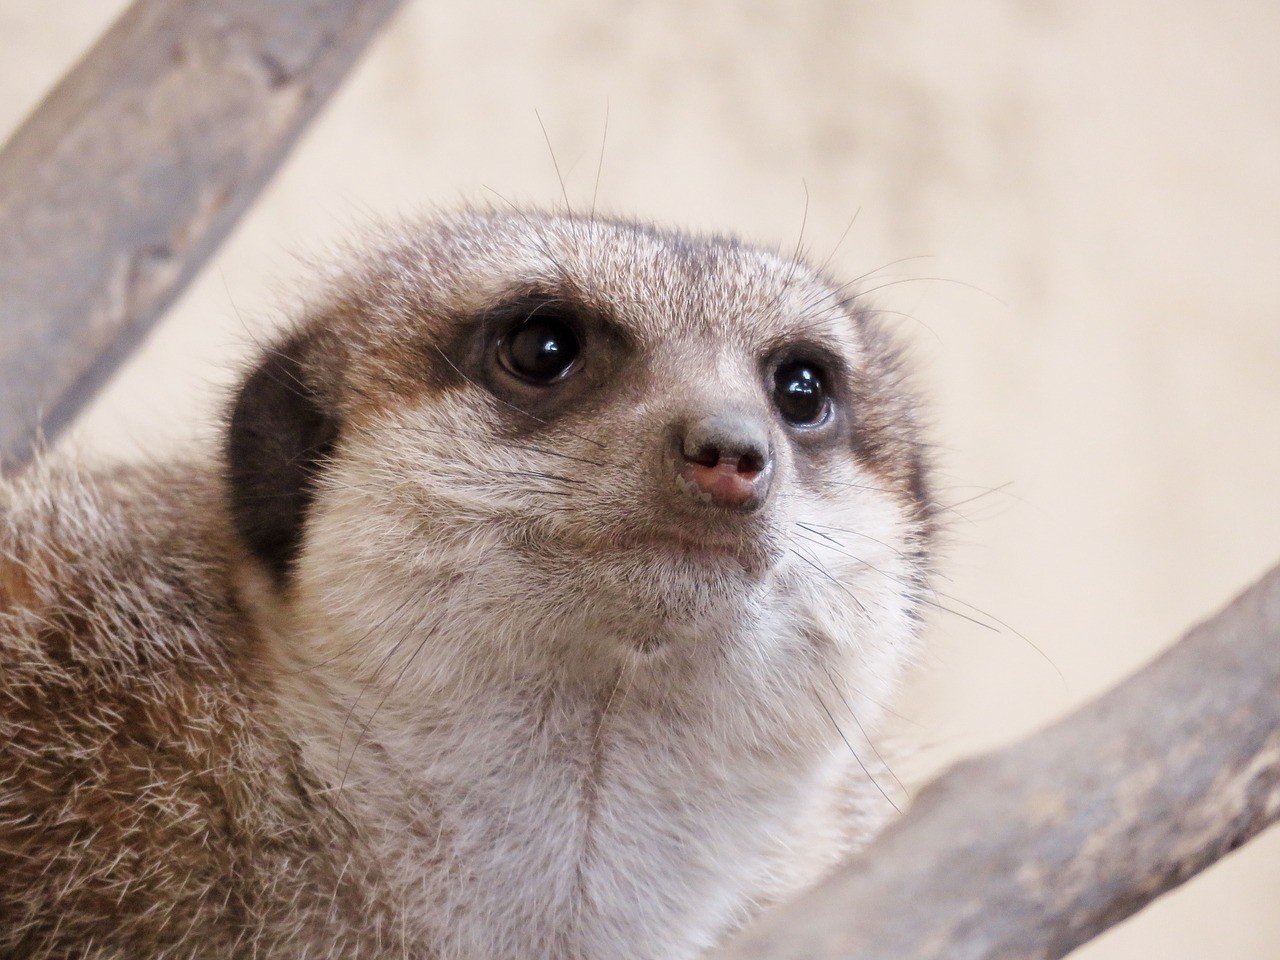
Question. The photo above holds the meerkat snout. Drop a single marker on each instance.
(726, 459)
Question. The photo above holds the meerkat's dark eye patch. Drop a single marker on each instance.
(547, 354)
(541, 339)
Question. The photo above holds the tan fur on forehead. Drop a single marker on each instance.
(462, 263)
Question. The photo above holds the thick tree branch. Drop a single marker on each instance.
(1031, 851)
(124, 180)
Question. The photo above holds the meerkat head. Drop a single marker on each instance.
(577, 439)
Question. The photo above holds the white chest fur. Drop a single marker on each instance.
(561, 824)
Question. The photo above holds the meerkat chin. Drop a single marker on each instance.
(538, 604)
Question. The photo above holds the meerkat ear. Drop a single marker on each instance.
(279, 435)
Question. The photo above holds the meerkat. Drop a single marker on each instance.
(541, 598)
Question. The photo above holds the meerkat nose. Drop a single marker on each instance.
(726, 460)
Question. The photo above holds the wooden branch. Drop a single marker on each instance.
(1031, 851)
(128, 175)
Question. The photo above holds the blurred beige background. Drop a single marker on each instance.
(1099, 177)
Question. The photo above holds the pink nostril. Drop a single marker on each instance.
(729, 482)
(707, 456)
(748, 464)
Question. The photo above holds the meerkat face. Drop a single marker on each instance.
(581, 431)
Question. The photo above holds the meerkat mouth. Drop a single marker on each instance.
(704, 548)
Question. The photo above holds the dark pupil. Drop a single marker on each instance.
(799, 393)
(542, 349)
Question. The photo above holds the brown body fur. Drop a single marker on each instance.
(149, 799)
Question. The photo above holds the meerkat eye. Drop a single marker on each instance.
(800, 394)
(542, 349)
